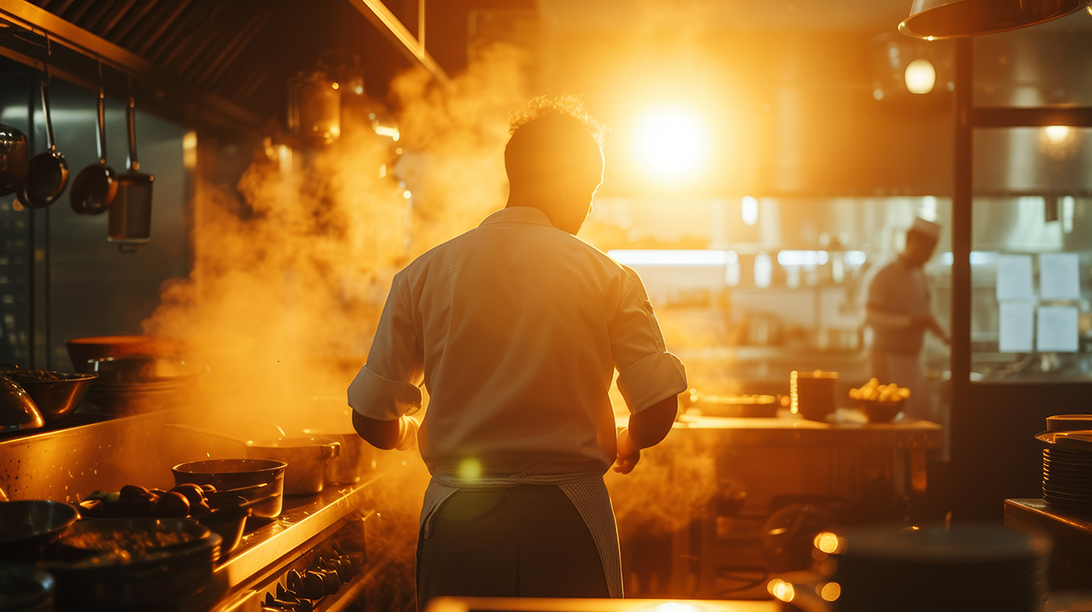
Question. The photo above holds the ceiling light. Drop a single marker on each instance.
(933, 19)
(920, 76)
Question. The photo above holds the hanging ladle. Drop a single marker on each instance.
(47, 172)
(96, 185)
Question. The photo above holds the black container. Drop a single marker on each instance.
(941, 569)
(251, 479)
(25, 588)
(92, 579)
(27, 526)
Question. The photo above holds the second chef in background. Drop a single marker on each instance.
(900, 312)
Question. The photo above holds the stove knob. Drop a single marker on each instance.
(330, 581)
(313, 586)
(344, 570)
(295, 582)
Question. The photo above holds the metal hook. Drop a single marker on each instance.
(49, 54)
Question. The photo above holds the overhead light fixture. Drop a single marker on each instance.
(920, 76)
(936, 19)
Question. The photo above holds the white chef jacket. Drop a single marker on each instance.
(516, 329)
(898, 293)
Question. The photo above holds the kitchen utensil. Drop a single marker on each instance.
(355, 457)
(25, 588)
(229, 523)
(734, 406)
(940, 568)
(96, 185)
(17, 410)
(122, 563)
(13, 159)
(1069, 422)
(27, 526)
(252, 479)
(812, 394)
(306, 457)
(130, 220)
(83, 350)
(56, 398)
(877, 411)
(47, 172)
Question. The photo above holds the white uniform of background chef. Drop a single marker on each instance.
(899, 311)
(516, 329)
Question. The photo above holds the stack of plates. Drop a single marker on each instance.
(1067, 470)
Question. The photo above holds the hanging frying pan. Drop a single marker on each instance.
(13, 159)
(130, 221)
(47, 172)
(96, 185)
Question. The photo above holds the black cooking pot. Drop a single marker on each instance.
(251, 479)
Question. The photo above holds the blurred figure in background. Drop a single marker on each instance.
(516, 329)
(900, 312)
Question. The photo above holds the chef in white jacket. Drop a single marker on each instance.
(899, 311)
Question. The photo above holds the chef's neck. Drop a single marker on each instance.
(566, 216)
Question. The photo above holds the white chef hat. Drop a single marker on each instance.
(926, 228)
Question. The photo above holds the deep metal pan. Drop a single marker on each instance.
(96, 185)
(47, 172)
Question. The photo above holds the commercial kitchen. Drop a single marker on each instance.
(204, 202)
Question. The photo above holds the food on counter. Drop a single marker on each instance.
(128, 543)
(873, 391)
(135, 502)
(24, 376)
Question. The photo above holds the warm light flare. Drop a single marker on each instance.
(781, 590)
(470, 469)
(671, 143)
(1056, 133)
(829, 543)
(920, 76)
(830, 591)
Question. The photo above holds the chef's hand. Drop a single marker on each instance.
(628, 453)
(407, 434)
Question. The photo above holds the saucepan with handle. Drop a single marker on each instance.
(306, 457)
(96, 185)
(47, 172)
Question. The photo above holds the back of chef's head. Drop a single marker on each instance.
(554, 145)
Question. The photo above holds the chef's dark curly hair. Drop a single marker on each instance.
(565, 105)
(553, 139)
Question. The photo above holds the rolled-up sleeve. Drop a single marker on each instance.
(647, 373)
(388, 386)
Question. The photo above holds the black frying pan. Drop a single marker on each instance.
(13, 159)
(96, 185)
(47, 172)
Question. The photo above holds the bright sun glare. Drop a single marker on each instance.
(671, 143)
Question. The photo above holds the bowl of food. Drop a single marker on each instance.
(880, 403)
(56, 394)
